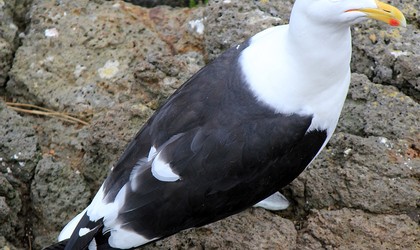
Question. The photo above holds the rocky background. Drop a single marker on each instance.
(111, 64)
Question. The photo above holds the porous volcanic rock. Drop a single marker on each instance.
(111, 64)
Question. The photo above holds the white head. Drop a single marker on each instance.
(346, 12)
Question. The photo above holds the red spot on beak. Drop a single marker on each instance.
(394, 22)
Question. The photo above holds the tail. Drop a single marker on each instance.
(87, 235)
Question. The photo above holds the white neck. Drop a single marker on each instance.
(325, 50)
(301, 69)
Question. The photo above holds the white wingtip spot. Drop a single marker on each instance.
(138, 169)
(99, 208)
(152, 153)
(275, 202)
(124, 239)
(83, 231)
(162, 171)
(69, 228)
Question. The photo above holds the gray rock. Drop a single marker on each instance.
(10, 205)
(6, 55)
(18, 157)
(83, 56)
(377, 110)
(58, 192)
(12, 16)
(372, 162)
(255, 228)
(388, 55)
(18, 145)
(8, 27)
(231, 22)
(355, 229)
(364, 173)
(5, 244)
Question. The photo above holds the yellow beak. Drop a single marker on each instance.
(385, 13)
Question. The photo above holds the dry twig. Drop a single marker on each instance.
(36, 110)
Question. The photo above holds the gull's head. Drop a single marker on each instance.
(348, 12)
